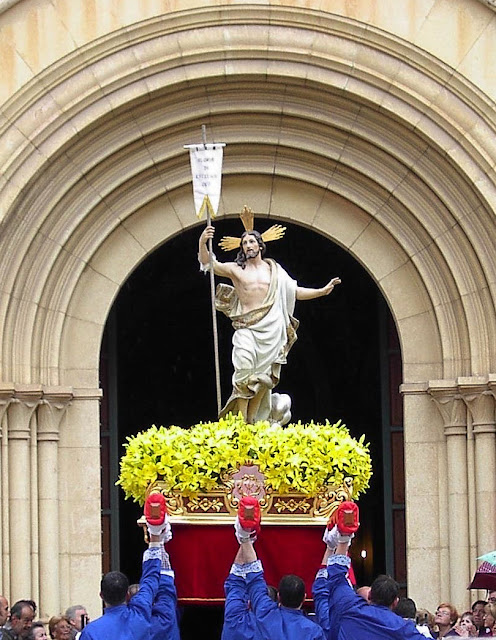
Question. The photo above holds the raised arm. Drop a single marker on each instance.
(305, 293)
(220, 268)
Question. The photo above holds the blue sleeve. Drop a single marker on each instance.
(85, 634)
(164, 616)
(238, 619)
(320, 591)
(265, 610)
(142, 601)
(341, 594)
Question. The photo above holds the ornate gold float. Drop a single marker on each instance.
(300, 474)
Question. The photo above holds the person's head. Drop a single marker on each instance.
(272, 591)
(364, 592)
(113, 588)
(76, 615)
(446, 615)
(467, 621)
(132, 590)
(384, 591)
(291, 591)
(406, 608)
(491, 596)
(22, 615)
(250, 246)
(425, 617)
(4, 610)
(478, 612)
(37, 631)
(59, 627)
(489, 618)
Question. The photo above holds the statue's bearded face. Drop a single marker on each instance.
(250, 246)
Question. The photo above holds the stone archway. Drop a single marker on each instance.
(389, 157)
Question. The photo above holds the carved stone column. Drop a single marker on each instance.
(50, 413)
(20, 413)
(6, 395)
(454, 414)
(480, 401)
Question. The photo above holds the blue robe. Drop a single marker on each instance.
(130, 621)
(239, 620)
(275, 622)
(164, 625)
(350, 616)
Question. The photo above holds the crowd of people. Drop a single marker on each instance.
(253, 610)
(19, 622)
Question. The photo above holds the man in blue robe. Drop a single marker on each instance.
(123, 620)
(347, 616)
(281, 620)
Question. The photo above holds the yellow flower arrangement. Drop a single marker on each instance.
(301, 458)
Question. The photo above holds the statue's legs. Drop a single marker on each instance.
(254, 406)
(242, 405)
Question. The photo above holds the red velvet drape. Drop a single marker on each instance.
(201, 556)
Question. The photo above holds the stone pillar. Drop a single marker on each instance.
(6, 395)
(80, 502)
(20, 413)
(50, 412)
(454, 414)
(479, 398)
(425, 473)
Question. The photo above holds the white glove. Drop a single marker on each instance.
(242, 535)
(163, 530)
(343, 538)
(330, 537)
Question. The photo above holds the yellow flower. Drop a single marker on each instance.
(301, 457)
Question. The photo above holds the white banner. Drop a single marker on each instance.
(206, 169)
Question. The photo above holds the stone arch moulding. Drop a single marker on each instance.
(387, 146)
(157, 221)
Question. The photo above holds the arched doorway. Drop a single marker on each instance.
(158, 347)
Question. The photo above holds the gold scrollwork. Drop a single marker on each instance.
(205, 504)
(292, 505)
(329, 500)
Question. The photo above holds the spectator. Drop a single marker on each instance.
(407, 609)
(466, 627)
(4, 610)
(478, 614)
(59, 628)
(364, 592)
(491, 597)
(20, 620)
(132, 590)
(445, 619)
(78, 618)
(37, 631)
(425, 618)
(489, 619)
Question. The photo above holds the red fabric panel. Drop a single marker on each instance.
(201, 556)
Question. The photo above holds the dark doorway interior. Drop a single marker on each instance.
(158, 369)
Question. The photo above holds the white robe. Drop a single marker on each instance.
(262, 339)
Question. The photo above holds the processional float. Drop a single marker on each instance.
(299, 473)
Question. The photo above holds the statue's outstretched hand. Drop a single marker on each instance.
(330, 286)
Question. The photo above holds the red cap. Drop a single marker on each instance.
(155, 509)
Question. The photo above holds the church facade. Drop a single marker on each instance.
(372, 123)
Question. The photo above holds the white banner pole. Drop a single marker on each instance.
(206, 169)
